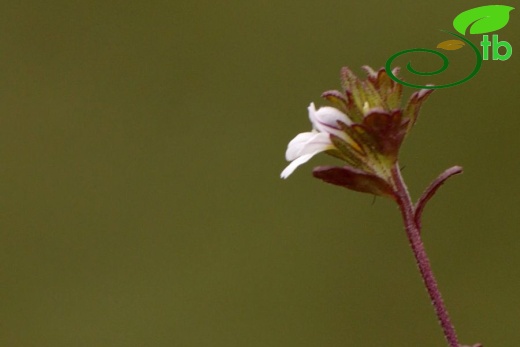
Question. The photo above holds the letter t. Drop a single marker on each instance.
(485, 47)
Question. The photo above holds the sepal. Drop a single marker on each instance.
(337, 98)
(389, 91)
(411, 111)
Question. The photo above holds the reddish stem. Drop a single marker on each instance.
(414, 237)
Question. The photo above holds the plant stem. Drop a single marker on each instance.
(414, 237)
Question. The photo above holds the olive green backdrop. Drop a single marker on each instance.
(140, 201)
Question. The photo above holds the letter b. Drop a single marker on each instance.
(497, 44)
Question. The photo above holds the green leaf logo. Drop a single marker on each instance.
(482, 19)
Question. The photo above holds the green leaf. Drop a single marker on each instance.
(482, 20)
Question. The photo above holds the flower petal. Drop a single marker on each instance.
(325, 119)
(297, 162)
(306, 143)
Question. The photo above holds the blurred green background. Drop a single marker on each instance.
(141, 205)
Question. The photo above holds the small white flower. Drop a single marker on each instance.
(306, 145)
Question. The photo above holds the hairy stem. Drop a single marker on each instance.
(414, 237)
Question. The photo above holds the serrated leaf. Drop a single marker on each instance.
(482, 20)
(451, 45)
